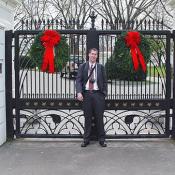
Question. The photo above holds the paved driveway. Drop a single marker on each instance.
(65, 157)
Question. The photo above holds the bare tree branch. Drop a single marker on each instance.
(79, 10)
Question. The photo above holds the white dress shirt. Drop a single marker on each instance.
(95, 77)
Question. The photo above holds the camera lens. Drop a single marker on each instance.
(92, 80)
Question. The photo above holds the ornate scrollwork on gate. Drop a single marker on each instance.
(144, 122)
(71, 122)
(47, 122)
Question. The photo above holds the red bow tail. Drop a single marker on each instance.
(48, 60)
(134, 59)
(141, 60)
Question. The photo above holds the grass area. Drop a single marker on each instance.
(156, 71)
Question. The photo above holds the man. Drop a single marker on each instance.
(91, 88)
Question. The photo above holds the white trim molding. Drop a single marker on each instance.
(7, 10)
(2, 27)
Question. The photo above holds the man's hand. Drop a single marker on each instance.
(80, 96)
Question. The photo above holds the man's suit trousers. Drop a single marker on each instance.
(93, 106)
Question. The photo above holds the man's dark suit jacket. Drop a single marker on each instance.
(82, 76)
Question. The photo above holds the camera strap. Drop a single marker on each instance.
(90, 73)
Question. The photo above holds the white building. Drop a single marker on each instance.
(7, 8)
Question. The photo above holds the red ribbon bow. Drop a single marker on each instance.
(49, 39)
(132, 40)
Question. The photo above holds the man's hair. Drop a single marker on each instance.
(94, 49)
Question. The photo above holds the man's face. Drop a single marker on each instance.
(93, 56)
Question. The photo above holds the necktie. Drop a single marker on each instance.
(91, 84)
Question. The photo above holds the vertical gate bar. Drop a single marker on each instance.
(154, 73)
(39, 81)
(30, 82)
(124, 89)
(35, 83)
(145, 87)
(27, 86)
(56, 81)
(149, 79)
(128, 90)
(8, 84)
(168, 83)
(112, 50)
(173, 116)
(17, 83)
(43, 84)
(52, 87)
(70, 53)
(120, 89)
(141, 92)
(137, 92)
(158, 87)
(48, 76)
(132, 97)
(61, 92)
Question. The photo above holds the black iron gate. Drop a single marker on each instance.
(44, 105)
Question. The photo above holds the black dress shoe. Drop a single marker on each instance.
(102, 144)
(84, 144)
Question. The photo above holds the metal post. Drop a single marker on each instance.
(93, 17)
(173, 116)
(92, 35)
(8, 84)
(168, 83)
(93, 42)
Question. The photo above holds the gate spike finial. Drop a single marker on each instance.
(93, 17)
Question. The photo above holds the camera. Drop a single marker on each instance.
(92, 80)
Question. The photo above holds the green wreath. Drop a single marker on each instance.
(120, 66)
(61, 53)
